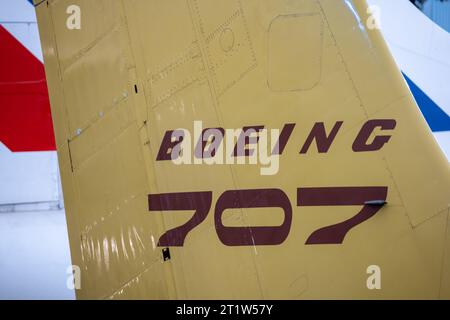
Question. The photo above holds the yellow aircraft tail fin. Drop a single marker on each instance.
(242, 149)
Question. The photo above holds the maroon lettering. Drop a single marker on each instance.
(246, 139)
(372, 199)
(182, 201)
(217, 135)
(246, 236)
(284, 138)
(361, 145)
(319, 134)
(171, 139)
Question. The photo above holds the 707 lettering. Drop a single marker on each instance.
(371, 198)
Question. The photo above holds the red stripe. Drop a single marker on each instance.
(25, 118)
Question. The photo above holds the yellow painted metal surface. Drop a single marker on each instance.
(139, 68)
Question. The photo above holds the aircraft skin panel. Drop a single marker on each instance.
(120, 83)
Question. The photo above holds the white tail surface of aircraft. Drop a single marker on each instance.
(421, 49)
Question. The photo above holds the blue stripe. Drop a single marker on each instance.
(437, 119)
